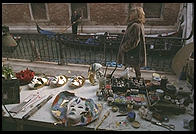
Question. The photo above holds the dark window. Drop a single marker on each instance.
(153, 10)
(81, 8)
(39, 11)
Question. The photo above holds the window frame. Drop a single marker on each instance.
(88, 12)
(39, 20)
(161, 13)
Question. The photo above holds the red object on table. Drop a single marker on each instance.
(25, 76)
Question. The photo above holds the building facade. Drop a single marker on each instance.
(96, 17)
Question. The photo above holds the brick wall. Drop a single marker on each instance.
(59, 13)
(170, 15)
(15, 13)
(110, 14)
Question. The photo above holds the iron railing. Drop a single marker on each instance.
(67, 48)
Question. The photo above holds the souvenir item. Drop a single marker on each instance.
(110, 101)
(132, 84)
(77, 81)
(131, 116)
(135, 124)
(102, 82)
(160, 93)
(20, 106)
(166, 97)
(99, 94)
(125, 74)
(128, 93)
(129, 107)
(94, 73)
(156, 77)
(37, 107)
(58, 81)
(103, 118)
(37, 82)
(167, 126)
(74, 111)
(91, 77)
(114, 109)
(144, 113)
(163, 82)
(158, 116)
(170, 89)
(121, 102)
(110, 92)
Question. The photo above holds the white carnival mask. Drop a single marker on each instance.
(75, 109)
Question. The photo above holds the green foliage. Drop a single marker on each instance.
(7, 72)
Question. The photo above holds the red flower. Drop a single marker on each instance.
(25, 76)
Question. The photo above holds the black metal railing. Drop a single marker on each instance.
(67, 48)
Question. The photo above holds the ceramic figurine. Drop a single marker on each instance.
(95, 73)
(131, 116)
(128, 92)
(110, 101)
(110, 93)
(99, 95)
(102, 82)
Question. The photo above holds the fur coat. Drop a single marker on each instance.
(132, 50)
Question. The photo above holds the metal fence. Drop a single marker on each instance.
(67, 48)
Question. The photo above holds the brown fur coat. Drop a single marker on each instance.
(132, 49)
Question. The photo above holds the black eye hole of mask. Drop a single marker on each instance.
(80, 78)
(87, 109)
(80, 107)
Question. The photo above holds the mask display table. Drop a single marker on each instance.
(43, 117)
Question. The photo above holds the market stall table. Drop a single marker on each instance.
(44, 117)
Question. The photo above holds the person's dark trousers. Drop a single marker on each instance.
(74, 29)
(137, 71)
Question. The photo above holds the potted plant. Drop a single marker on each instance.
(10, 86)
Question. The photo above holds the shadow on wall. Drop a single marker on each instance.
(181, 58)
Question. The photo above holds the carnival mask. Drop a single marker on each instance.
(58, 81)
(77, 81)
(75, 109)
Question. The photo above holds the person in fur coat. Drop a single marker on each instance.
(132, 50)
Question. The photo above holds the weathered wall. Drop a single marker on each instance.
(109, 13)
(170, 14)
(16, 14)
(100, 14)
(59, 13)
